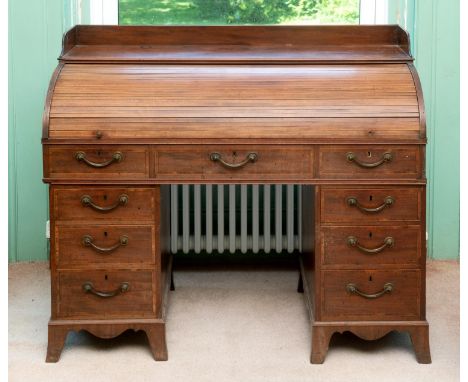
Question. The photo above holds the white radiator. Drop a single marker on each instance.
(218, 218)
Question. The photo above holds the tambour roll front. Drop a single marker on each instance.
(132, 109)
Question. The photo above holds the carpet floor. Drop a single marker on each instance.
(239, 323)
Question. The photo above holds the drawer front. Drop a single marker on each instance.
(367, 205)
(79, 294)
(109, 245)
(341, 299)
(235, 162)
(104, 203)
(98, 162)
(368, 162)
(370, 245)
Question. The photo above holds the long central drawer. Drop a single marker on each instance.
(235, 162)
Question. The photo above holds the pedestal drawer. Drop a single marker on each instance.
(109, 245)
(367, 162)
(106, 294)
(97, 162)
(364, 246)
(361, 205)
(104, 203)
(371, 295)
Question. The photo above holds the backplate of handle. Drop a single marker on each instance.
(88, 287)
(386, 157)
(354, 242)
(352, 288)
(87, 241)
(250, 158)
(87, 201)
(353, 202)
(117, 157)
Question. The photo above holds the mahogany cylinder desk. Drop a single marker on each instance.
(131, 110)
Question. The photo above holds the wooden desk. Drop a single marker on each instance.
(132, 109)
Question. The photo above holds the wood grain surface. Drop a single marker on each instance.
(203, 102)
(402, 303)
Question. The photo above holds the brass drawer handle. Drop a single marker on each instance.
(352, 288)
(87, 201)
(88, 287)
(88, 242)
(251, 157)
(117, 157)
(354, 242)
(353, 202)
(386, 157)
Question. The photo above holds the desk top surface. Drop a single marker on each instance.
(280, 44)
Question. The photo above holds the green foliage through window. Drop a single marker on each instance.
(219, 12)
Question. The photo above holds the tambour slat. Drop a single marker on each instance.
(215, 128)
(64, 101)
(385, 112)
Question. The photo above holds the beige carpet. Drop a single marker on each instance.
(230, 325)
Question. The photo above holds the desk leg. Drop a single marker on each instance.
(172, 280)
(157, 340)
(320, 341)
(57, 337)
(420, 339)
(300, 284)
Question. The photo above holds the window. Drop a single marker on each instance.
(219, 12)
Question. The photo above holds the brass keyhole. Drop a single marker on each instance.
(369, 154)
(370, 198)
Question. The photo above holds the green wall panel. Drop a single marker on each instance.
(34, 45)
(434, 27)
(436, 48)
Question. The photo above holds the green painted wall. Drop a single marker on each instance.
(36, 28)
(434, 27)
(35, 33)
(436, 48)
